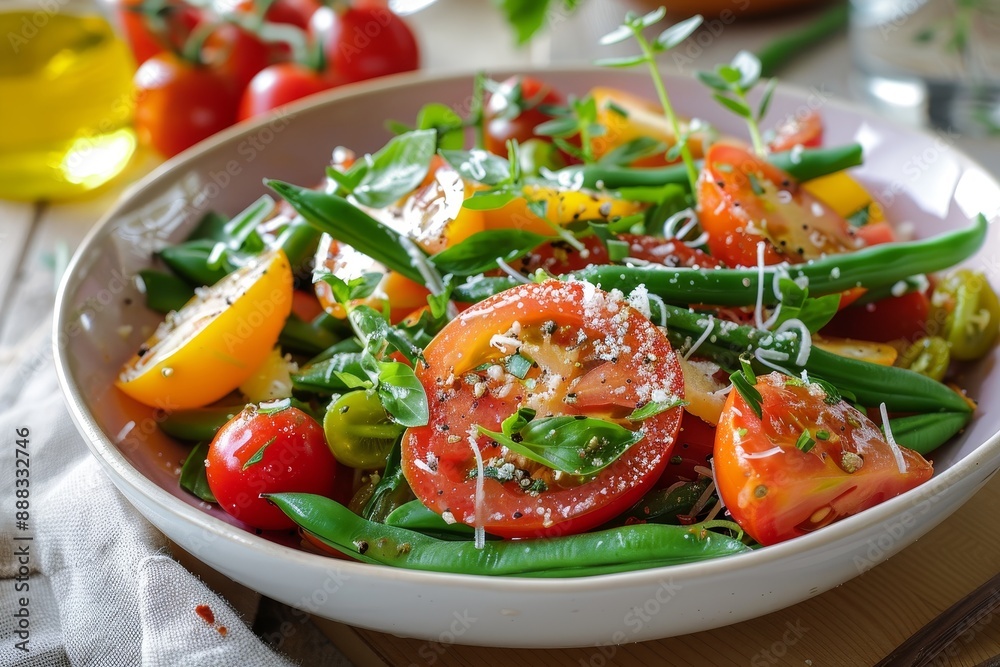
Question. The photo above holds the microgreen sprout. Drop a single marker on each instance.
(634, 26)
(731, 84)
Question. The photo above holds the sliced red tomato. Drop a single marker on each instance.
(804, 130)
(890, 319)
(744, 201)
(777, 491)
(593, 355)
(559, 257)
(875, 233)
(259, 451)
(515, 109)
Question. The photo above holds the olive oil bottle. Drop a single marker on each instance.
(65, 101)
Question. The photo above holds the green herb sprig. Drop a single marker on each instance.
(731, 84)
(633, 27)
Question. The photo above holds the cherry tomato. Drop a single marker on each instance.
(364, 42)
(178, 104)
(804, 130)
(515, 109)
(777, 491)
(592, 355)
(259, 451)
(893, 318)
(236, 54)
(744, 201)
(277, 85)
(216, 341)
(150, 30)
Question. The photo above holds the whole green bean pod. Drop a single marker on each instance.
(198, 424)
(614, 550)
(802, 166)
(900, 389)
(414, 515)
(873, 267)
(925, 433)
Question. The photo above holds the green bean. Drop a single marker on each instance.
(414, 515)
(300, 336)
(190, 261)
(211, 226)
(164, 292)
(874, 266)
(777, 53)
(614, 550)
(916, 283)
(346, 222)
(199, 423)
(925, 433)
(802, 166)
(299, 240)
(870, 384)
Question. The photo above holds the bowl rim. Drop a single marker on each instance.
(986, 455)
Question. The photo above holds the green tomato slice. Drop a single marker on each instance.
(358, 430)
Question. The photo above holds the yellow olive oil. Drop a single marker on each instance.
(65, 104)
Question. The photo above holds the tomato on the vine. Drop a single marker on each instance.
(265, 450)
(154, 27)
(236, 54)
(744, 201)
(591, 356)
(806, 463)
(179, 103)
(515, 109)
(291, 12)
(279, 84)
(363, 42)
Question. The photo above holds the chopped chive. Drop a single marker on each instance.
(805, 441)
(518, 365)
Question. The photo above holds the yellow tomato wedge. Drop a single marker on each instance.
(882, 354)
(216, 341)
(563, 208)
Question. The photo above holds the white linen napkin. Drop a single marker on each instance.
(95, 578)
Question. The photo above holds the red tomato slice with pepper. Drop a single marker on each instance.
(593, 355)
(744, 201)
(775, 490)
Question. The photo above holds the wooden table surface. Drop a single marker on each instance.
(854, 624)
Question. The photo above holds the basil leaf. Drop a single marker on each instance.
(442, 119)
(576, 445)
(193, 479)
(489, 200)
(478, 165)
(347, 223)
(517, 421)
(796, 304)
(654, 408)
(352, 381)
(479, 253)
(357, 288)
(401, 394)
(331, 375)
(395, 170)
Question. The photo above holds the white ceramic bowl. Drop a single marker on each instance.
(918, 178)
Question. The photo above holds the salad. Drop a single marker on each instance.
(602, 337)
